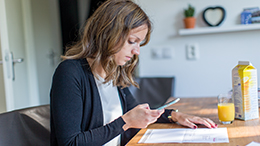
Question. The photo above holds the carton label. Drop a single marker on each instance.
(245, 94)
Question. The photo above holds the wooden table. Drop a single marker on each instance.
(240, 132)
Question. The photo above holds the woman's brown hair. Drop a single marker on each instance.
(104, 35)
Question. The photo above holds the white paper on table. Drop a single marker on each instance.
(253, 144)
(185, 135)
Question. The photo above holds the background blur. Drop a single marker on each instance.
(210, 74)
(48, 26)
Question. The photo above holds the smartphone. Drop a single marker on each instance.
(168, 103)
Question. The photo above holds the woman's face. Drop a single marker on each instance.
(131, 46)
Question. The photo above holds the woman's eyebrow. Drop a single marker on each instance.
(136, 37)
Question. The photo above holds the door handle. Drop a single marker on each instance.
(19, 60)
(10, 62)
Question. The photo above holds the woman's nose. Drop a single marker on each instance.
(136, 51)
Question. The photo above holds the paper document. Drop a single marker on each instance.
(185, 135)
(253, 144)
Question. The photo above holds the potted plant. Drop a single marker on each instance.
(189, 19)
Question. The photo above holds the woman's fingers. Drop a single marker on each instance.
(190, 124)
(213, 125)
(207, 122)
(201, 121)
(191, 121)
(157, 113)
(141, 116)
(145, 105)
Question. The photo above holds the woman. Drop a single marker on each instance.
(90, 101)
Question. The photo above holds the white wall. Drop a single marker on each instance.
(219, 53)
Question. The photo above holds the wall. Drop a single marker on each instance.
(219, 53)
(83, 6)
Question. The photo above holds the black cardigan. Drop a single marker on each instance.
(76, 110)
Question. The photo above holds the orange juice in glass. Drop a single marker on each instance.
(226, 108)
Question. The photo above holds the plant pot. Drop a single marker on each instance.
(189, 22)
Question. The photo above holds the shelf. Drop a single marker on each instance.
(219, 29)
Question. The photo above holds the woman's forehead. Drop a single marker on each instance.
(138, 29)
(139, 32)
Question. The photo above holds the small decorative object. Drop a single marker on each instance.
(256, 17)
(214, 16)
(248, 15)
(189, 19)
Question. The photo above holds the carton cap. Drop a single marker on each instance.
(244, 63)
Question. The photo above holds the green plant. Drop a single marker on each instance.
(189, 12)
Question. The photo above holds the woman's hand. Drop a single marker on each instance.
(141, 116)
(191, 121)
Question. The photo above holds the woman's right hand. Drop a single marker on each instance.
(141, 116)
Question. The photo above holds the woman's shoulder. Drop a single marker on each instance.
(70, 62)
(71, 71)
(73, 63)
(71, 66)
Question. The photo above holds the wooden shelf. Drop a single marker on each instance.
(219, 29)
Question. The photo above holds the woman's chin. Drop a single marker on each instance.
(122, 63)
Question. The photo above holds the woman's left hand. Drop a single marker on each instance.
(191, 121)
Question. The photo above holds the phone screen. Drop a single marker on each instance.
(168, 103)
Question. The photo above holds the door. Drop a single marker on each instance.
(2, 87)
(30, 40)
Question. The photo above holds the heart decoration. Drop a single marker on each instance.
(214, 16)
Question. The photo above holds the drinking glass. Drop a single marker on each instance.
(226, 108)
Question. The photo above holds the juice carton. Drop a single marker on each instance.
(245, 92)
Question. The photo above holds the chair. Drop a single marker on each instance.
(154, 91)
(26, 127)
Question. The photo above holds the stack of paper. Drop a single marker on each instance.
(184, 135)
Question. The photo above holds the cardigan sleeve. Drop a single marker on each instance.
(67, 111)
(130, 100)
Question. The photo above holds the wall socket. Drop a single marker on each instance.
(192, 51)
(162, 52)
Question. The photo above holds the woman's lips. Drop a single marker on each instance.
(128, 57)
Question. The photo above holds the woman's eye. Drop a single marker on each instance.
(130, 42)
